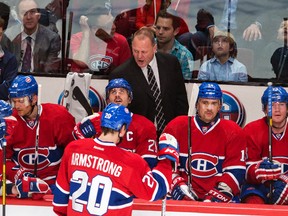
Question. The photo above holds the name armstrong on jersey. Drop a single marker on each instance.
(94, 162)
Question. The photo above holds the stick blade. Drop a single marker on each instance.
(78, 95)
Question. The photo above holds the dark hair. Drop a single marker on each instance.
(4, 14)
(204, 19)
(145, 32)
(2, 22)
(175, 19)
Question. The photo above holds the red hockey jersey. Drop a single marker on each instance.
(140, 138)
(217, 155)
(55, 132)
(258, 145)
(98, 178)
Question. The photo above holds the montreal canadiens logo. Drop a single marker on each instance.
(232, 109)
(97, 102)
(99, 62)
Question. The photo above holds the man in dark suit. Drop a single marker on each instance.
(167, 71)
(45, 44)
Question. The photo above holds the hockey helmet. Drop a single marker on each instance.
(210, 90)
(279, 94)
(115, 116)
(5, 109)
(23, 86)
(119, 83)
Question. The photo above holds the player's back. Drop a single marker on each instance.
(101, 173)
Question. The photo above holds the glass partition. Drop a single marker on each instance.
(96, 34)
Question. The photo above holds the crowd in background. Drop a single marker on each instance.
(98, 35)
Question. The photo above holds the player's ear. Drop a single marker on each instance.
(122, 131)
(34, 99)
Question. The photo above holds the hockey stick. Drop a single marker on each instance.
(269, 117)
(4, 190)
(78, 95)
(69, 35)
(191, 112)
(37, 129)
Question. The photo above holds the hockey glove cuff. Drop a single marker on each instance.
(222, 193)
(280, 191)
(168, 149)
(266, 170)
(180, 190)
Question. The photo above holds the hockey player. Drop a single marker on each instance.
(6, 127)
(218, 152)
(54, 124)
(261, 172)
(141, 136)
(98, 178)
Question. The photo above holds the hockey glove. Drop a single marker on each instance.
(168, 149)
(88, 127)
(266, 170)
(222, 193)
(29, 185)
(280, 191)
(19, 184)
(180, 190)
(11, 122)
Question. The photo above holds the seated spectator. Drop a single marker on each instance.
(36, 47)
(47, 18)
(223, 66)
(98, 46)
(8, 67)
(279, 58)
(4, 14)
(194, 42)
(146, 15)
(167, 27)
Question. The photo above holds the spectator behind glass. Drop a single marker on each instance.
(4, 14)
(98, 46)
(8, 66)
(223, 66)
(167, 27)
(200, 40)
(45, 43)
(47, 18)
(147, 14)
(279, 58)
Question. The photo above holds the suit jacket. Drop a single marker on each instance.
(172, 86)
(46, 50)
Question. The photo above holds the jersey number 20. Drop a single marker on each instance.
(99, 182)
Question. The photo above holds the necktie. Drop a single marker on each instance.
(160, 121)
(26, 64)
